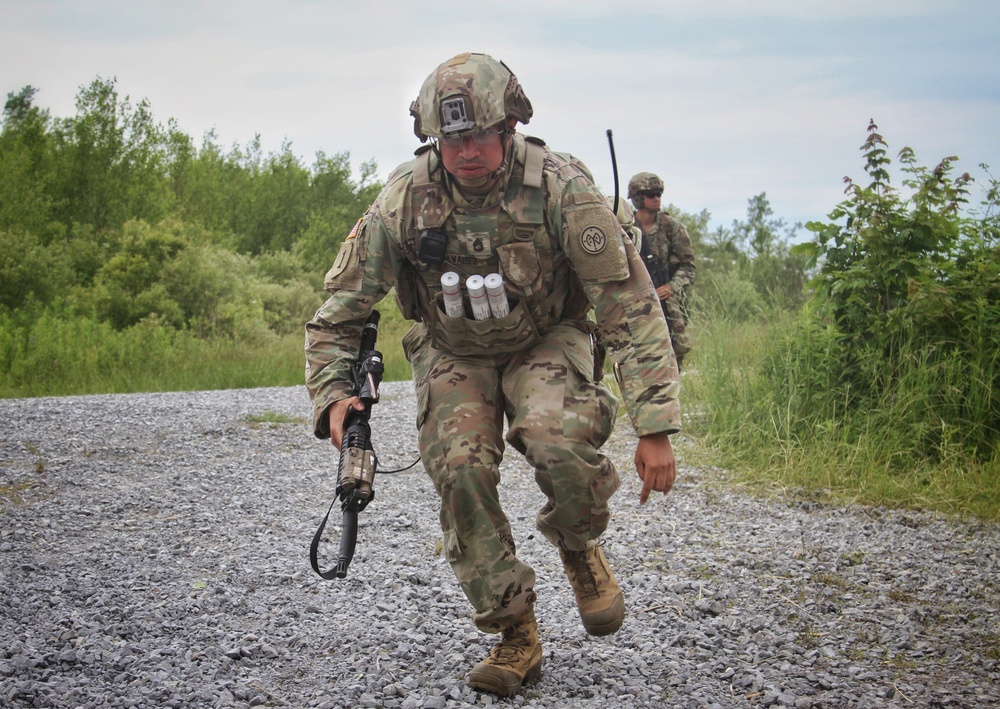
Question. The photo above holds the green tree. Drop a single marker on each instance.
(337, 204)
(26, 164)
(276, 208)
(113, 163)
(748, 268)
(30, 273)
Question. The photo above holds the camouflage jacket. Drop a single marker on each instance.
(671, 245)
(552, 236)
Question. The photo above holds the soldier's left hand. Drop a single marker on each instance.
(655, 463)
(665, 291)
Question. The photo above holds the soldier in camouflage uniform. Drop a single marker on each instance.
(483, 199)
(667, 252)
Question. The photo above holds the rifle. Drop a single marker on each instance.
(357, 464)
(658, 273)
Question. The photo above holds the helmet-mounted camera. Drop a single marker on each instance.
(456, 115)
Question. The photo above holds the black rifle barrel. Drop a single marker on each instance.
(348, 539)
(369, 335)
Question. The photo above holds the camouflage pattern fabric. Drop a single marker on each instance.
(561, 419)
(562, 254)
(670, 243)
(498, 96)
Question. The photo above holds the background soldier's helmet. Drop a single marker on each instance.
(643, 182)
(469, 92)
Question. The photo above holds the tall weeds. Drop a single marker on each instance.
(885, 387)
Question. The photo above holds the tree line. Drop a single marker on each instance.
(115, 220)
(122, 218)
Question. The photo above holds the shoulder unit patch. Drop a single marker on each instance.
(593, 240)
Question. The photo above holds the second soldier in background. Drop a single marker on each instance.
(668, 255)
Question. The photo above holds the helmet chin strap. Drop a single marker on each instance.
(502, 167)
(491, 178)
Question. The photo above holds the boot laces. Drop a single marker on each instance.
(583, 575)
(512, 648)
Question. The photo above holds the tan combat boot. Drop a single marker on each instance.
(598, 596)
(514, 661)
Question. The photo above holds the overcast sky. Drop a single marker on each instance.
(724, 100)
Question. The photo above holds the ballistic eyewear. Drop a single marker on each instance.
(480, 137)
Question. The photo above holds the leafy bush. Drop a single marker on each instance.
(911, 290)
(728, 296)
(30, 272)
(884, 387)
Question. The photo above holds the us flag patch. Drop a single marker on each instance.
(354, 231)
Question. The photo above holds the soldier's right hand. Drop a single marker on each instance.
(656, 464)
(338, 415)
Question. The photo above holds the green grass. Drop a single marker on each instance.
(273, 417)
(11, 492)
(59, 356)
(779, 437)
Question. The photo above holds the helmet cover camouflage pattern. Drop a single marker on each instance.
(643, 182)
(469, 92)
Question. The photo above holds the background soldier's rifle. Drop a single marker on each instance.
(358, 464)
(658, 272)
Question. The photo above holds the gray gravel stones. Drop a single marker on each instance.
(154, 553)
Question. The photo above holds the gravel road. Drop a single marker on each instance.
(154, 553)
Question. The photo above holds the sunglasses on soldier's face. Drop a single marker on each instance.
(482, 137)
(652, 194)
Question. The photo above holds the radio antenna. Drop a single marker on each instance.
(614, 169)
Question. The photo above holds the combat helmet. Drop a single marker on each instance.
(469, 92)
(643, 182)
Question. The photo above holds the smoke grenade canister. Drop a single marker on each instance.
(477, 297)
(452, 295)
(496, 295)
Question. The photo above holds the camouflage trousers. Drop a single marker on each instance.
(558, 417)
(680, 340)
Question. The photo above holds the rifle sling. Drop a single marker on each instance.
(314, 547)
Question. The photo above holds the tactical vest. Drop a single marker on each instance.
(510, 238)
